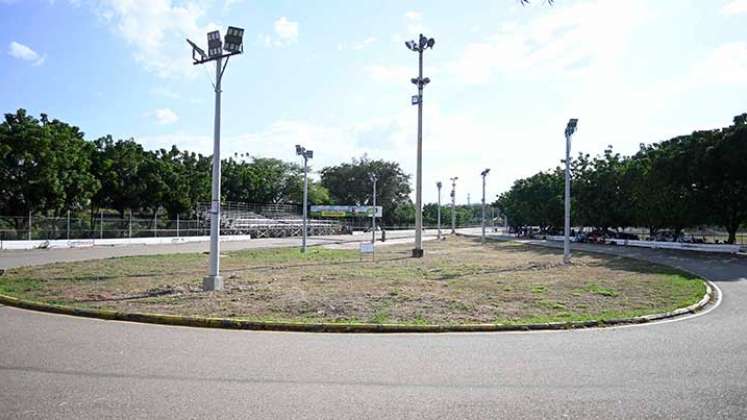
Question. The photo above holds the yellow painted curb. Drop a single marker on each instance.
(207, 322)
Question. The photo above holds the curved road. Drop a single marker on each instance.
(55, 366)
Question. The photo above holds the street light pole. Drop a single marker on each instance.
(306, 154)
(233, 45)
(569, 130)
(422, 44)
(438, 209)
(484, 175)
(453, 204)
(373, 215)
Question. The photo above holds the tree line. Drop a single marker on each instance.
(688, 181)
(47, 167)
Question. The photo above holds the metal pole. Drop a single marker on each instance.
(305, 199)
(373, 215)
(68, 225)
(29, 225)
(129, 226)
(453, 205)
(567, 230)
(214, 281)
(418, 251)
(155, 223)
(482, 239)
(438, 210)
(177, 225)
(101, 224)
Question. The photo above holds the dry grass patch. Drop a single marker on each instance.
(458, 281)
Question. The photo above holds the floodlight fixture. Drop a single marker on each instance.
(300, 150)
(411, 45)
(309, 154)
(571, 127)
(426, 81)
(431, 42)
(214, 44)
(233, 41)
(485, 172)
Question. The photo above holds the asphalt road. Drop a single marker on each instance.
(55, 366)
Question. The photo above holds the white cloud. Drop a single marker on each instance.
(357, 46)
(286, 30)
(578, 40)
(154, 30)
(165, 116)
(415, 24)
(734, 7)
(727, 64)
(286, 33)
(230, 3)
(25, 53)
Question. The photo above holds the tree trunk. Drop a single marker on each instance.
(732, 229)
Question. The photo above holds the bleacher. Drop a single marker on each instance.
(269, 220)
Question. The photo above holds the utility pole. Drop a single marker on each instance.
(484, 175)
(306, 154)
(233, 45)
(453, 204)
(569, 130)
(438, 210)
(422, 44)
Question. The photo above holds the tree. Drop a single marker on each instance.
(27, 165)
(720, 156)
(601, 191)
(119, 168)
(350, 184)
(535, 201)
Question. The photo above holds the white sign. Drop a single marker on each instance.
(367, 248)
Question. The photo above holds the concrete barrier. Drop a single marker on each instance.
(722, 248)
(81, 243)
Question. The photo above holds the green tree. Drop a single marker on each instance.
(350, 184)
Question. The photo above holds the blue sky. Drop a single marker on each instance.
(334, 77)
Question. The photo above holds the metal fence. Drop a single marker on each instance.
(101, 226)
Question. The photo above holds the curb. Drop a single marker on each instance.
(226, 323)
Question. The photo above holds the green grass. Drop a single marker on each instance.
(460, 282)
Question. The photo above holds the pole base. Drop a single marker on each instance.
(417, 253)
(210, 283)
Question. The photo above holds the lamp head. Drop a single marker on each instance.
(571, 127)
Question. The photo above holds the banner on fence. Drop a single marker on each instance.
(346, 211)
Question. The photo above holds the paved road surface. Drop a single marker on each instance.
(63, 367)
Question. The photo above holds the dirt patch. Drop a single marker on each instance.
(458, 281)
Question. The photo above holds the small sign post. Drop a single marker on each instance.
(367, 248)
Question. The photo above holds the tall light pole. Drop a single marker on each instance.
(306, 154)
(438, 209)
(484, 174)
(217, 51)
(373, 215)
(420, 46)
(569, 130)
(453, 204)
